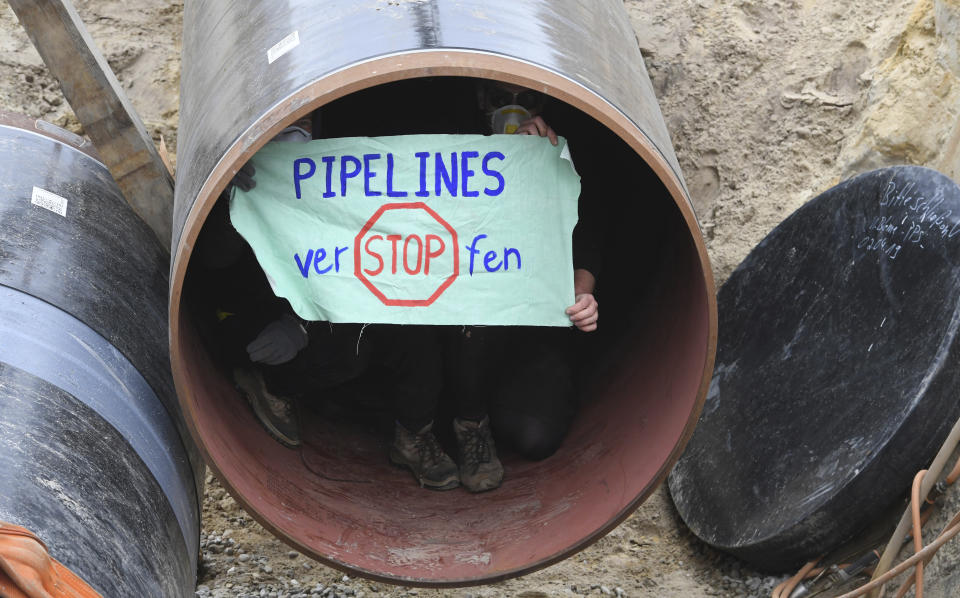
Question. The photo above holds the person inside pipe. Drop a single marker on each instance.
(530, 370)
(532, 391)
(289, 362)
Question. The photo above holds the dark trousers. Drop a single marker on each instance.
(334, 355)
(411, 357)
(522, 376)
(416, 357)
(532, 388)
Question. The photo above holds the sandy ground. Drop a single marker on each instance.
(768, 103)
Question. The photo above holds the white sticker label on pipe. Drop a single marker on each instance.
(49, 201)
(283, 46)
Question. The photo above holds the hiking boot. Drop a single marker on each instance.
(421, 452)
(480, 469)
(277, 414)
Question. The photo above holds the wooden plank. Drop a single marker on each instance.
(99, 103)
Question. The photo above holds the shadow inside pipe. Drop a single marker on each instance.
(636, 383)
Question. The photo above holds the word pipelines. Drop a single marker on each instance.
(412, 253)
(455, 176)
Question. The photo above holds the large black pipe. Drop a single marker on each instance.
(94, 456)
(248, 70)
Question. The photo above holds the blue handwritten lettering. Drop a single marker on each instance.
(300, 176)
(472, 248)
(506, 255)
(328, 164)
(305, 264)
(318, 256)
(489, 258)
(336, 256)
(448, 177)
(368, 174)
(466, 172)
(422, 156)
(347, 174)
(493, 173)
(390, 191)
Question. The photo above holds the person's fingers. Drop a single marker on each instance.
(244, 181)
(575, 307)
(539, 127)
(261, 349)
(545, 130)
(527, 128)
(585, 313)
(586, 320)
(585, 317)
(582, 302)
(280, 354)
(276, 359)
(258, 344)
(244, 177)
(261, 355)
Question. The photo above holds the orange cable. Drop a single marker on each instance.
(908, 583)
(918, 520)
(786, 587)
(954, 473)
(917, 533)
(947, 534)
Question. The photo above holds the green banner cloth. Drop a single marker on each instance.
(416, 229)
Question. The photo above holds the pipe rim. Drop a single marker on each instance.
(410, 65)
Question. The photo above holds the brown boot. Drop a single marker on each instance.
(277, 414)
(421, 452)
(480, 469)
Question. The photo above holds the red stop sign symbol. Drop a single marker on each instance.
(406, 254)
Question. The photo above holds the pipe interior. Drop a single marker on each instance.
(639, 375)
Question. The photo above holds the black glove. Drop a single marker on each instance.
(278, 342)
(244, 177)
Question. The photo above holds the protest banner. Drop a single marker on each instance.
(416, 229)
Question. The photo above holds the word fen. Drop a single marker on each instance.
(490, 257)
